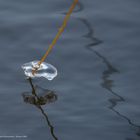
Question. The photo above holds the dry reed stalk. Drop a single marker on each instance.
(61, 29)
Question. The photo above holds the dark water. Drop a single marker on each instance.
(98, 69)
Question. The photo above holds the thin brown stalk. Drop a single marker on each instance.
(60, 31)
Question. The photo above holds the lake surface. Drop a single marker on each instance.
(97, 58)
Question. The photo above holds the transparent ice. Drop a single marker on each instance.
(45, 70)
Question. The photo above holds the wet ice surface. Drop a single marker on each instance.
(45, 70)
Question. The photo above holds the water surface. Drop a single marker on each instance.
(97, 58)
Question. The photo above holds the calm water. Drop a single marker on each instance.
(98, 69)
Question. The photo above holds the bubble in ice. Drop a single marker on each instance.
(45, 70)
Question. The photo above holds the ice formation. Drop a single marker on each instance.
(45, 70)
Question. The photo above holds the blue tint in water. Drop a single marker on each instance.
(98, 61)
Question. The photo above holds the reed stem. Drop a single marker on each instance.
(60, 31)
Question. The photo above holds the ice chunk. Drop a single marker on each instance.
(45, 70)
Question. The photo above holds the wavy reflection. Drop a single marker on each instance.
(107, 82)
(90, 35)
(38, 97)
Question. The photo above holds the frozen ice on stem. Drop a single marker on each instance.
(45, 70)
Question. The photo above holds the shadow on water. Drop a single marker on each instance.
(107, 82)
(90, 35)
(39, 97)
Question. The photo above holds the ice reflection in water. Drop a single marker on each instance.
(38, 97)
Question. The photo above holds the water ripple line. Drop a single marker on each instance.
(107, 83)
